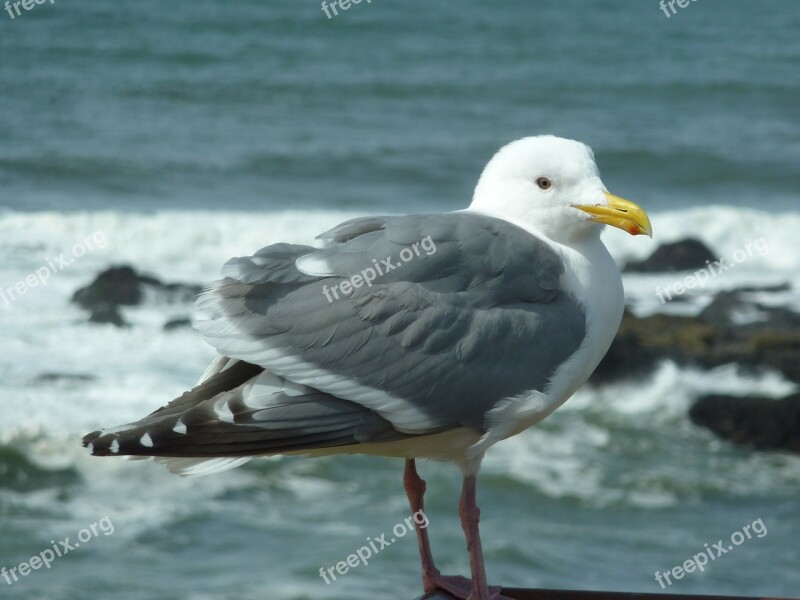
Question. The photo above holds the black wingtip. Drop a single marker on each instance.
(90, 437)
(98, 446)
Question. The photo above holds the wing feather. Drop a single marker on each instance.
(475, 315)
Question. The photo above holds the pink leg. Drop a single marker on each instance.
(470, 517)
(415, 490)
(432, 579)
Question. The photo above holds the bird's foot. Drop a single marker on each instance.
(455, 585)
(460, 588)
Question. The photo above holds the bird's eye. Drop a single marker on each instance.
(544, 183)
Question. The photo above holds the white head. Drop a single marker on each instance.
(552, 186)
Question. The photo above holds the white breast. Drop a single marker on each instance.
(592, 278)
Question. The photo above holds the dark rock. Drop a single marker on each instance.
(178, 323)
(762, 423)
(731, 308)
(107, 314)
(712, 339)
(641, 343)
(779, 318)
(771, 289)
(723, 309)
(120, 286)
(627, 356)
(123, 286)
(684, 255)
(69, 378)
(779, 350)
(753, 335)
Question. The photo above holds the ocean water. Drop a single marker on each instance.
(172, 137)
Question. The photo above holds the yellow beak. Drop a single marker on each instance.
(620, 213)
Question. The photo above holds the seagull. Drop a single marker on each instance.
(430, 336)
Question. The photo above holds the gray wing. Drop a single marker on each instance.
(473, 316)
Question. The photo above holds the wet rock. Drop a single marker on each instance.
(627, 356)
(179, 323)
(124, 286)
(772, 289)
(120, 286)
(641, 343)
(768, 338)
(684, 255)
(107, 314)
(761, 423)
(726, 308)
(732, 308)
(62, 378)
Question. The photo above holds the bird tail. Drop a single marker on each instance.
(239, 411)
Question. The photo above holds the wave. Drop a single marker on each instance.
(725, 230)
(193, 244)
